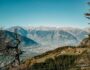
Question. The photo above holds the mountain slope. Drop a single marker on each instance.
(24, 40)
(63, 58)
(20, 30)
(50, 36)
(58, 59)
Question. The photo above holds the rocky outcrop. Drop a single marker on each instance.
(85, 42)
(58, 59)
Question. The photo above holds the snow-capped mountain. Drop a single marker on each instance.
(79, 33)
(20, 30)
(52, 36)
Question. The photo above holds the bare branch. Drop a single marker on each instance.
(87, 14)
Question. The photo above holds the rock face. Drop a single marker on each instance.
(82, 62)
(86, 42)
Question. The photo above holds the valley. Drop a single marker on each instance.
(50, 49)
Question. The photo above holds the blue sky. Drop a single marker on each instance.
(59, 13)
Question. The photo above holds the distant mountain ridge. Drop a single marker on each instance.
(24, 40)
(51, 35)
(48, 38)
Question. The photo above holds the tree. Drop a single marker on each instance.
(88, 13)
(9, 49)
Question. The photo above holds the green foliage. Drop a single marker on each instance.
(62, 62)
(47, 65)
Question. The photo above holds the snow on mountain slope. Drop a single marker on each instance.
(52, 35)
(20, 30)
(79, 33)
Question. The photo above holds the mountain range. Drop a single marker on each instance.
(37, 40)
(49, 38)
(52, 36)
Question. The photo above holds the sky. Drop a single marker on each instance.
(51, 13)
